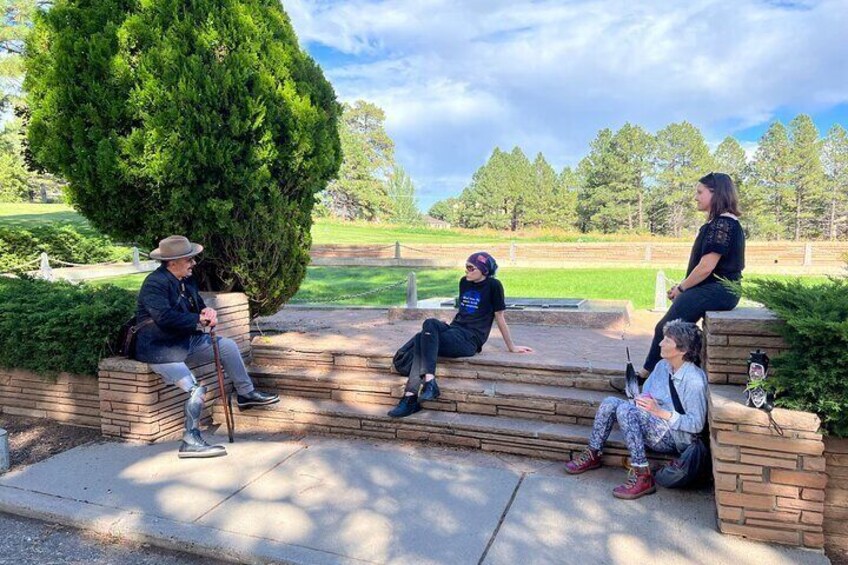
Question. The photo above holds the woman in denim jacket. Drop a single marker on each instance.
(651, 421)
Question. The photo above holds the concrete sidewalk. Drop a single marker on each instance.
(319, 500)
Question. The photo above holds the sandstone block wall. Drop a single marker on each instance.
(767, 487)
(836, 494)
(72, 399)
(731, 336)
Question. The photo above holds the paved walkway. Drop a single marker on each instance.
(320, 500)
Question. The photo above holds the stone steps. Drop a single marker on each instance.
(561, 404)
(501, 434)
(516, 370)
(523, 405)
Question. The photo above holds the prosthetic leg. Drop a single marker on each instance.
(193, 445)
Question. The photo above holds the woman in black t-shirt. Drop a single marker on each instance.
(481, 301)
(718, 253)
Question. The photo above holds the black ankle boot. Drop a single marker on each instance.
(430, 391)
(408, 405)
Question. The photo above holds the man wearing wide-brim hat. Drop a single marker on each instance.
(171, 315)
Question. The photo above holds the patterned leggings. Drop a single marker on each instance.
(640, 429)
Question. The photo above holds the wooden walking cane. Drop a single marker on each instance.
(228, 414)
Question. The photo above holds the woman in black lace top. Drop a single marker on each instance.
(718, 253)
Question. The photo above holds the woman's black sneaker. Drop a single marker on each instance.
(430, 391)
(407, 406)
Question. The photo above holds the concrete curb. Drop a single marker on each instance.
(161, 532)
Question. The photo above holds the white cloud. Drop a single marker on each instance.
(458, 78)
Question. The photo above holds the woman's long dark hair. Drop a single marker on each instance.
(725, 197)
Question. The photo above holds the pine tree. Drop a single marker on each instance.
(770, 173)
(448, 210)
(360, 191)
(401, 193)
(564, 205)
(498, 194)
(15, 27)
(632, 148)
(202, 118)
(480, 206)
(730, 158)
(614, 180)
(515, 195)
(835, 160)
(681, 158)
(542, 198)
(807, 177)
(594, 197)
(13, 173)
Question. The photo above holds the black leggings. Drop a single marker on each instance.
(440, 340)
(691, 307)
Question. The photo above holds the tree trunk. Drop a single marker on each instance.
(640, 212)
(833, 219)
(797, 217)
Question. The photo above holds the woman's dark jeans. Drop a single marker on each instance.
(440, 340)
(691, 307)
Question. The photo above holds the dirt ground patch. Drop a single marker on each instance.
(837, 557)
(34, 439)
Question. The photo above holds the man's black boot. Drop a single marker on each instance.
(256, 398)
(195, 447)
(408, 405)
(430, 391)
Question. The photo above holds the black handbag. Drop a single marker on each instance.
(693, 467)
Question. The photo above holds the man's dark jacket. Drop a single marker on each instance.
(174, 305)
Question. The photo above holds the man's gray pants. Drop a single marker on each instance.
(201, 352)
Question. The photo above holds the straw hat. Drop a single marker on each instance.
(175, 247)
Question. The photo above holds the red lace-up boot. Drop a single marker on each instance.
(586, 461)
(640, 482)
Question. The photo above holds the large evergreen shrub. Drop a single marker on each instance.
(197, 117)
(53, 327)
(813, 374)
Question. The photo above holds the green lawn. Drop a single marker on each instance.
(31, 215)
(323, 283)
(326, 231)
(636, 285)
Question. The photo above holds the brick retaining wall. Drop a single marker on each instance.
(731, 336)
(135, 404)
(767, 487)
(791, 490)
(836, 495)
(72, 399)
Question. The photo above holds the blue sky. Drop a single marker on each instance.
(459, 77)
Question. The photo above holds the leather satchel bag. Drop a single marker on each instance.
(127, 335)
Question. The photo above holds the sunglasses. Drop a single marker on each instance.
(469, 268)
